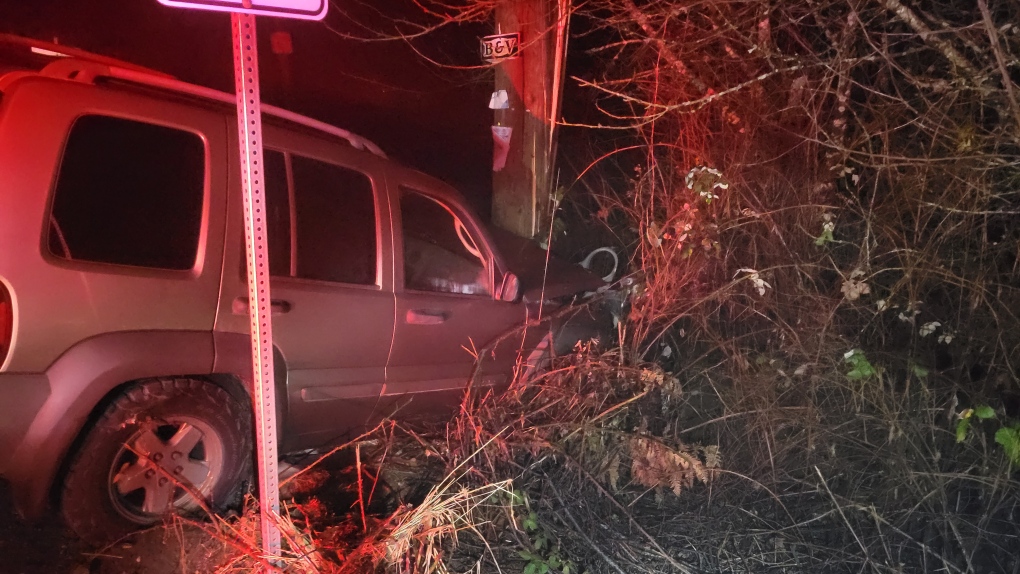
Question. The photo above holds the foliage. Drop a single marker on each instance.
(869, 155)
(1007, 436)
(544, 554)
(860, 366)
(817, 199)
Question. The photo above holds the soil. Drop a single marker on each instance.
(38, 548)
(48, 547)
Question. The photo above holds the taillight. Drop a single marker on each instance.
(6, 322)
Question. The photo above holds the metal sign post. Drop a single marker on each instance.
(249, 133)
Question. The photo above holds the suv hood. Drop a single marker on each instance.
(527, 261)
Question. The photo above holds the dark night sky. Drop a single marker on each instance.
(435, 119)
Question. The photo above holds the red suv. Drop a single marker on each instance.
(125, 367)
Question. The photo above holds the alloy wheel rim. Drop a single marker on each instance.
(163, 467)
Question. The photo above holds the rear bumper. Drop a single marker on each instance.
(21, 398)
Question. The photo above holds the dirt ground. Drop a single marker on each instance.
(37, 548)
(50, 548)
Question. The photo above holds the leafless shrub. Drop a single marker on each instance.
(819, 238)
(819, 210)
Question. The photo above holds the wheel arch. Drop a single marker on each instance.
(84, 381)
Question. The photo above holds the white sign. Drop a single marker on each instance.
(499, 100)
(500, 47)
(301, 9)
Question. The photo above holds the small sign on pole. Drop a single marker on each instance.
(500, 47)
(249, 132)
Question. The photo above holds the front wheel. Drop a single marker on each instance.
(164, 446)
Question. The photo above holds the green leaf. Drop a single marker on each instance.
(984, 412)
(1009, 438)
(543, 568)
(526, 555)
(861, 371)
(539, 542)
(919, 371)
(531, 568)
(531, 522)
(824, 238)
(566, 568)
(961, 429)
(861, 368)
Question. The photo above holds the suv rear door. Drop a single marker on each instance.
(329, 244)
(113, 215)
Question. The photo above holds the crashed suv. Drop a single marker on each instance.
(125, 368)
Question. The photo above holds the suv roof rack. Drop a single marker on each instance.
(82, 66)
(43, 49)
(88, 71)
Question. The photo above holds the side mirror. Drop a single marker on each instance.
(510, 289)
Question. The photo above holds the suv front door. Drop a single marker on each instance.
(445, 309)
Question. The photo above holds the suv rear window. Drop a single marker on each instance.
(128, 193)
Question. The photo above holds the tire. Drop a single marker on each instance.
(164, 446)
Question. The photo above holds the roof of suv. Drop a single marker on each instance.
(20, 57)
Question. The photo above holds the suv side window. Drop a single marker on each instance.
(439, 253)
(328, 213)
(128, 193)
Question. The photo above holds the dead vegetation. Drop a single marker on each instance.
(601, 466)
(818, 369)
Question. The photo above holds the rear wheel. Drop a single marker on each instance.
(165, 446)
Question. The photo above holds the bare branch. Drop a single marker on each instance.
(925, 33)
(1007, 82)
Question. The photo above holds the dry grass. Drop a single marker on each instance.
(818, 202)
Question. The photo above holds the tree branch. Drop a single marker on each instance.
(642, 20)
(948, 51)
(1007, 82)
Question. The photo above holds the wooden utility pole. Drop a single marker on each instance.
(523, 188)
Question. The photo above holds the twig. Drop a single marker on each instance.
(246, 550)
(924, 547)
(382, 460)
(662, 552)
(864, 548)
(642, 20)
(911, 19)
(577, 528)
(1007, 81)
(361, 487)
(733, 415)
(335, 450)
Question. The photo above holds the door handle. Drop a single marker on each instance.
(426, 317)
(276, 306)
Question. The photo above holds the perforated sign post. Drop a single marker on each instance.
(249, 131)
